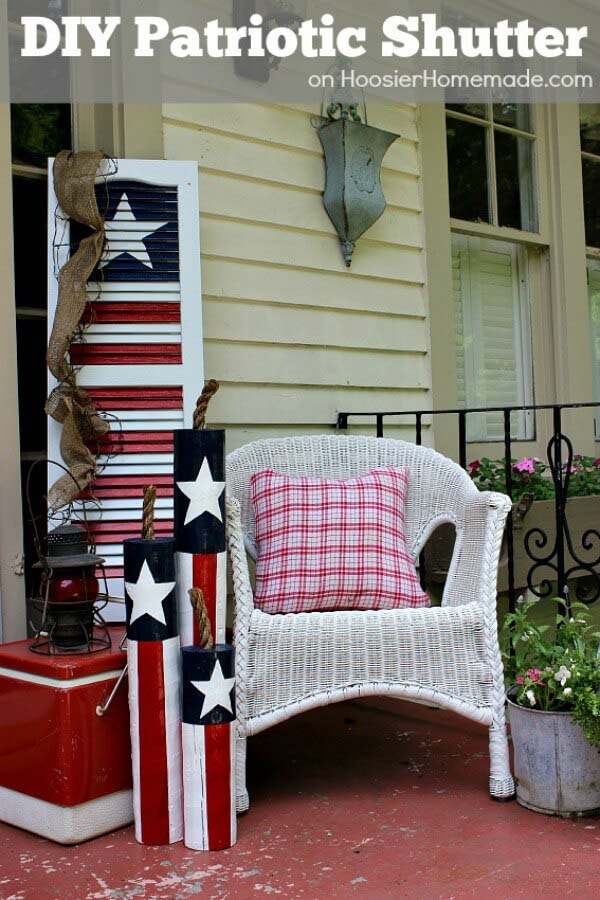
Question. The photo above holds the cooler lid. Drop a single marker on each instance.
(65, 667)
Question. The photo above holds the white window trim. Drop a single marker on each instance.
(561, 353)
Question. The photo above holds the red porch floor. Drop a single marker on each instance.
(349, 801)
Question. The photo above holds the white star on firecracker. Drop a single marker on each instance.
(216, 691)
(147, 596)
(125, 221)
(203, 494)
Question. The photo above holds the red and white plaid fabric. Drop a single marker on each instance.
(325, 544)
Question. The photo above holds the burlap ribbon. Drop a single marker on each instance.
(74, 184)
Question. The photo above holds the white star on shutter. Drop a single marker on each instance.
(216, 691)
(125, 221)
(203, 494)
(148, 595)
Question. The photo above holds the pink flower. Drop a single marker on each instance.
(476, 464)
(525, 465)
(534, 675)
(597, 462)
(520, 679)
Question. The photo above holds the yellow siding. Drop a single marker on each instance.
(289, 332)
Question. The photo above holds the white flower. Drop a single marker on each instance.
(531, 697)
(562, 675)
(567, 692)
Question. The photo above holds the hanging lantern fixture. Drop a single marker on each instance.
(354, 152)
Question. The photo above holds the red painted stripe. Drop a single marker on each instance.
(125, 354)
(133, 442)
(137, 398)
(109, 486)
(115, 572)
(204, 576)
(137, 313)
(154, 790)
(114, 532)
(218, 785)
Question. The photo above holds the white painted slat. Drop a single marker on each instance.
(136, 464)
(133, 336)
(124, 514)
(136, 290)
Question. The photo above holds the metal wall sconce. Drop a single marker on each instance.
(354, 152)
(275, 13)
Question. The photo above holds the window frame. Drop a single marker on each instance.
(559, 299)
(491, 127)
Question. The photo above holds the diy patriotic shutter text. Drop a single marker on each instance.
(141, 351)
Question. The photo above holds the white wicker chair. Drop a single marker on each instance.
(447, 656)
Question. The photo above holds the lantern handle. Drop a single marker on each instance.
(34, 519)
(345, 110)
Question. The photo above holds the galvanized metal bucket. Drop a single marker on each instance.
(557, 770)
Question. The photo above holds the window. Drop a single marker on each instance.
(493, 334)
(491, 164)
(36, 133)
(594, 299)
(589, 130)
(491, 168)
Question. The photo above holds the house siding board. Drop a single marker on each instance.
(291, 334)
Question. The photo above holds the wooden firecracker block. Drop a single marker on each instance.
(153, 654)
(209, 735)
(199, 498)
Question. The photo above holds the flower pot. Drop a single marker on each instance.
(557, 770)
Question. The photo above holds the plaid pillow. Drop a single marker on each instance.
(325, 544)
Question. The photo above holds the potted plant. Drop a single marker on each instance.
(533, 510)
(554, 709)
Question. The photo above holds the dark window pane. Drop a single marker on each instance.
(31, 362)
(38, 489)
(589, 127)
(30, 230)
(469, 109)
(591, 201)
(514, 178)
(467, 171)
(53, 9)
(515, 115)
(39, 130)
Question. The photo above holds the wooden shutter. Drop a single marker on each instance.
(141, 356)
(492, 334)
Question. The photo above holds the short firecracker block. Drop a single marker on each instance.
(153, 654)
(209, 735)
(199, 494)
(64, 769)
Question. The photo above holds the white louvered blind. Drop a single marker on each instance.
(141, 357)
(492, 334)
(593, 268)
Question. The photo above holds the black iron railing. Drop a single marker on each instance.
(551, 561)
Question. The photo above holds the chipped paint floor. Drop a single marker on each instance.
(366, 801)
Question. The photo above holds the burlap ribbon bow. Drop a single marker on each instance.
(74, 184)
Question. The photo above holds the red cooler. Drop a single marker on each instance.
(65, 771)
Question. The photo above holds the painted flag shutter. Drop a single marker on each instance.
(593, 277)
(492, 334)
(141, 355)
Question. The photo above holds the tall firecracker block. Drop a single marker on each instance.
(154, 660)
(199, 497)
(209, 734)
